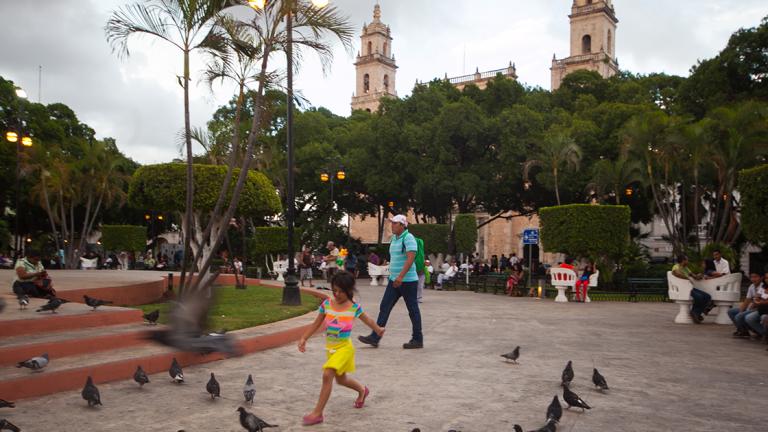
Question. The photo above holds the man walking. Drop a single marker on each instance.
(403, 282)
(330, 260)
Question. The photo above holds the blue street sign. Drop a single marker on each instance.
(531, 236)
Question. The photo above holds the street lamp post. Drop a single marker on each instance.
(20, 139)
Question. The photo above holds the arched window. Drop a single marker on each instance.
(366, 83)
(385, 50)
(610, 42)
(370, 47)
(386, 83)
(586, 44)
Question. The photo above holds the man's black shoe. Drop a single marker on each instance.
(413, 345)
(368, 340)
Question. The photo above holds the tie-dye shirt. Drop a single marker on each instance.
(338, 324)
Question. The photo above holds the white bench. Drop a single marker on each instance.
(725, 292)
(89, 264)
(562, 279)
(280, 267)
(593, 278)
(376, 271)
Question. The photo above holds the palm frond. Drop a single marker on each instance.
(136, 19)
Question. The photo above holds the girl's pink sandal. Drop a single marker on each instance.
(360, 404)
(310, 420)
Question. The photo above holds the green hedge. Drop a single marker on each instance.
(584, 230)
(753, 186)
(272, 240)
(435, 236)
(465, 233)
(163, 187)
(129, 238)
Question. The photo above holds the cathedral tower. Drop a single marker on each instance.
(375, 65)
(593, 41)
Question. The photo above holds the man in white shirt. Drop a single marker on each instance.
(330, 260)
(753, 318)
(448, 275)
(722, 267)
(740, 312)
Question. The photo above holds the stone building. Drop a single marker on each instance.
(480, 79)
(375, 66)
(593, 41)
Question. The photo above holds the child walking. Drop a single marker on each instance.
(338, 314)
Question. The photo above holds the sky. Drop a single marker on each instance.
(137, 99)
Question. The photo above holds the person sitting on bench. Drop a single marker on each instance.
(30, 277)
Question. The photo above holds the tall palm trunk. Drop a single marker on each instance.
(50, 214)
(190, 178)
(557, 188)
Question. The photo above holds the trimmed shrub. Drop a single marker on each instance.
(465, 233)
(129, 238)
(272, 240)
(584, 230)
(435, 236)
(754, 203)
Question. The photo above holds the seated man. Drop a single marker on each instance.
(448, 275)
(739, 313)
(722, 267)
(756, 318)
(30, 278)
(702, 301)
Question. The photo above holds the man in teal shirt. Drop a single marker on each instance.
(403, 282)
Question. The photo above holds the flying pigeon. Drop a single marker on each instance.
(518, 428)
(213, 387)
(251, 423)
(90, 393)
(52, 305)
(567, 374)
(6, 425)
(249, 391)
(6, 404)
(572, 399)
(555, 410)
(140, 376)
(23, 301)
(175, 371)
(599, 380)
(35, 363)
(94, 302)
(152, 316)
(514, 355)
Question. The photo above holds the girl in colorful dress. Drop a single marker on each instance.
(338, 314)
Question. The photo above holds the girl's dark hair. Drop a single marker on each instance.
(345, 281)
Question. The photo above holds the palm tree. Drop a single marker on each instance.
(610, 178)
(186, 25)
(556, 152)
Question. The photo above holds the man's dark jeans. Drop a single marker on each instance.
(700, 301)
(391, 295)
(31, 290)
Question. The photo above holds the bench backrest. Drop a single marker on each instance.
(563, 277)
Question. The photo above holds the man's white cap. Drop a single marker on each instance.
(399, 219)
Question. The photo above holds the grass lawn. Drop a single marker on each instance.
(237, 309)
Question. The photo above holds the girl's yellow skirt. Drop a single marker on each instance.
(341, 358)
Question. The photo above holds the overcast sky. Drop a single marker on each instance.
(138, 101)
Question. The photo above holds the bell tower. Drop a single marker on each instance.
(375, 65)
(593, 41)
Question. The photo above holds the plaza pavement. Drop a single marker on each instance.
(663, 377)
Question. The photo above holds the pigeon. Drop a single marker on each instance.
(567, 374)
(140, 376)
(6, 404)
(152, 316)
(6, 425)
(23, 301)
(52, 305)
(249, 391)
(175, 371)
(35, 363)
(213, 387)
(518, 428)
(90, 393)
(599, 380)
(94, 302)
(512, 355)
(555, 410)
(251, 423)
(572, 399)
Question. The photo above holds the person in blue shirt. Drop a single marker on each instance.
(403, 282)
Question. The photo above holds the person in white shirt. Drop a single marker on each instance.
(740, 312)
(448, 275)
(760, 302)
(722, 267)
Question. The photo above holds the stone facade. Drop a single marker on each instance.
(593, 41)
(480, 79)
(375, 66)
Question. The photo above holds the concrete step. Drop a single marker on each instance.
(70, 343)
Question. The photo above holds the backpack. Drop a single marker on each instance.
(420, 255)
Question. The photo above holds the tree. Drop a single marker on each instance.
(611, 178)
(754, 203)
(465, 233)
(128, 238)
(555, 153)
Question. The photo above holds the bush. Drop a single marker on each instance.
(696, 260)
(435, 237)
(465, 233)
(584, 230)
(272, 240)
(129, 238)
(754, 203)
